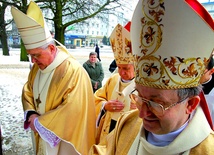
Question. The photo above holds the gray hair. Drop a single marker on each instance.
(189, 92)
(92, 53)
(47, 44)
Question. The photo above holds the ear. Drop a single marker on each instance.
(212, 71)
(52, 48)
(192, 104)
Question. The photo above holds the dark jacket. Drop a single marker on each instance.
(208, 86)
(112, 66)
(97, 49)
(96, 73)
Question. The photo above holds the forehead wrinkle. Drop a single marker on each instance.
(162, 96)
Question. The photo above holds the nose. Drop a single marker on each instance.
(123, 72)
(33, 60)
(144, 111)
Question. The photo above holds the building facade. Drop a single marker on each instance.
(92, 31)
(95, 29)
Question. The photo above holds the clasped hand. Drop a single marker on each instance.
(31, 121)
(114, 106)
(117, 106)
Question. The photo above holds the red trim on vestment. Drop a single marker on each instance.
(206, 110)
(128, 26)
(201, 11)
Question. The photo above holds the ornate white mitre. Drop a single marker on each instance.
(32, 26)
(172, 41)
(121, 44)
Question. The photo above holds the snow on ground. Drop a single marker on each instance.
(15, 140)
(13, 75)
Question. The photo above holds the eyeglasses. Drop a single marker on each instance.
(156, 108)
(36, 56)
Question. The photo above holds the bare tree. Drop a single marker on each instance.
(64, 13)
(3, 33)
(68, 12)
(22, 5)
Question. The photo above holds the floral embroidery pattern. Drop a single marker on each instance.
(150, 70)
(121, 46)
(155, 70)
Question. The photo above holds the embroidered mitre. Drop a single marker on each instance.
(121, 44)
(172, 41)
(32, 26)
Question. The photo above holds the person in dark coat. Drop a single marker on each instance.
(95, 71)
(97, 50)
(208, 86)
(112, 66)
(207, 79)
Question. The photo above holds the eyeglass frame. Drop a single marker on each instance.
(148, 103)
(35, 56)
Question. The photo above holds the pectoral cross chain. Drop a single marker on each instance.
(38, 100)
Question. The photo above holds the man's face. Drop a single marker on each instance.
(42, 57)
(171, 120)
(126, 71)
(93, 58)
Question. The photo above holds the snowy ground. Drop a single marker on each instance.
(16, 141)
(13, 75)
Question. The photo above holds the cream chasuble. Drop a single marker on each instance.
(41, 86)
(122, 91)
(196, 139)
(182, 144)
